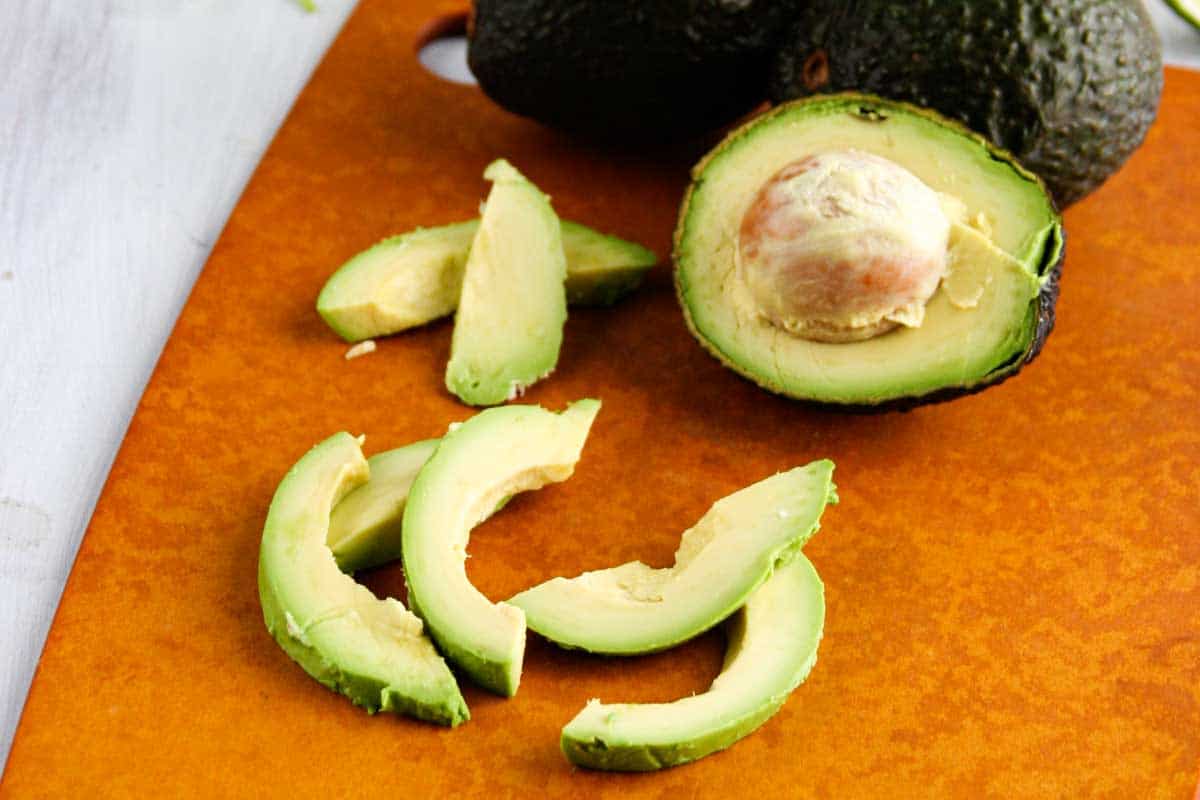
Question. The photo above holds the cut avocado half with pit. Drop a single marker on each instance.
(373, 651)
(729, 553)
(495, 454)
(417, 277)
(772, 646)
(508, 327)
(1004, 231)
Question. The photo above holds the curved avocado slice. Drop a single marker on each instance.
(729, 553)
(495, 454)
(364, 528)
(509, 325)
(373, 651)
(772, 647)
(1002, 218)
(415, 278)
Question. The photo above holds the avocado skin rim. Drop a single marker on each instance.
(1050, 269)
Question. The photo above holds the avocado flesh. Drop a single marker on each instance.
(731, 551)
(495, 454)
(415, 278)
(508, 327)
(1070, 87)
(955, 347)
(772, 647)
(399, 283)
(364, 528)
(373, 651)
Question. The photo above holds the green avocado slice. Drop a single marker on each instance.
(373, 651)
(364, 529)
(415, 278)
(495, 454)
(772, 647)
(730, 552)
(509, 325)
(601, 269)
(1006, 219)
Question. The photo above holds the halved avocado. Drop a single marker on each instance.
(364, 528)
(729, 553)
(495, 454)
(1005, 233)
(772, 647)
(417, 277)
(509, 325)
(373, 651)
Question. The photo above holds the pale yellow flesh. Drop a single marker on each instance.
(400, 283)
(509, 324)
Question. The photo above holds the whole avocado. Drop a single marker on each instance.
(1068, 86)
(626, 69)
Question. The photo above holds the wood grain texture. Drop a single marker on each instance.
(127, 131)
(1010, 576)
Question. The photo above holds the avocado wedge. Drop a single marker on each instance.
(1002, 228)
(772, 646)
(364, 528)
(625, 69)
(373, 651)
(508, 327)
(412, 279)
(730, 552)
(495, 454)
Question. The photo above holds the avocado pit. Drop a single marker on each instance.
(842, 246)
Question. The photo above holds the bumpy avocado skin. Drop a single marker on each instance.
(626, 69)
(1049, 268)
(1068, 86)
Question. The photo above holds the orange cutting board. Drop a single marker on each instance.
(1013, 579)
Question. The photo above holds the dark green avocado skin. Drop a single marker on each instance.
(626, 70)
(1068, 86)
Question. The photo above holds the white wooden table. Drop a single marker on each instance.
(127, 131)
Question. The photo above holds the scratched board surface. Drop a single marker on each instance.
(1012, 579)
